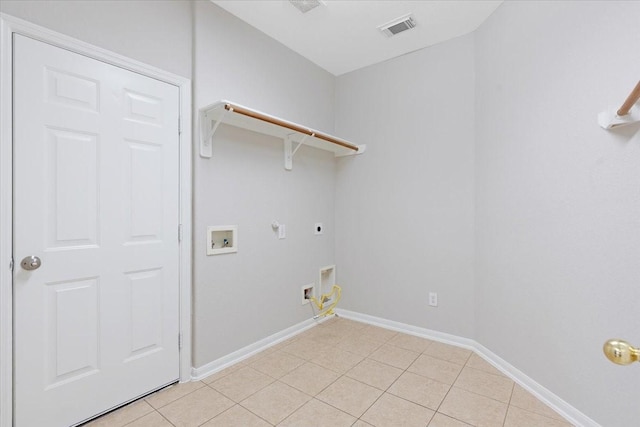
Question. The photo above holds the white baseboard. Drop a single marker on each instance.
(563, 408)
(252, 349)
(408, 329)
(543, 394)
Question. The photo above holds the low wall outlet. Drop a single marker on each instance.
(318, 228)
(433, 299)
(307, 293)
(282, 231)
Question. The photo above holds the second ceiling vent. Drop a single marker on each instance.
(305, 6)
(398, 25)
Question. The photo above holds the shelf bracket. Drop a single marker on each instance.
(611, 120)
(361, 149)
(289, 151)
(206, 135)
(627, 114)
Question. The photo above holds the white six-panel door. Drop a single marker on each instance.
(96, 199)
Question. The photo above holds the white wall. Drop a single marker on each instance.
(558, 198)
(155, 32)
(404, 209)
(557, 204)
(243, 297)
(240, 298)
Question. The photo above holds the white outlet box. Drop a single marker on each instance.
(222, 239)
(326, 280)
(433, 299)
(282, 232)
(307, 293)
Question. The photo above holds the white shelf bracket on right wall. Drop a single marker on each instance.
(625, 115)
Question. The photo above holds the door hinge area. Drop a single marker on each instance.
(180, 341)
(179, 232)
(11, 265)
(179, 125)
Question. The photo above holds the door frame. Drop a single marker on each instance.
(10, 25)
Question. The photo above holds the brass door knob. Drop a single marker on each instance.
(621, 352)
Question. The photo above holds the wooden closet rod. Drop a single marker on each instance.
(284, 124)
(633, 97)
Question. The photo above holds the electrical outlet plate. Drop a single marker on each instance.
(308, 292)
(433, 299)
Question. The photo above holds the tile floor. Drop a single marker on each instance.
(345, 373)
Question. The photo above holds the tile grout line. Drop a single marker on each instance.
(329, 337)
(513, 387)
(245, 398)
(246, 409)
(385, 391)
(450, 387)
(159, 413)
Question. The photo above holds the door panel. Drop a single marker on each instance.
(96, 199)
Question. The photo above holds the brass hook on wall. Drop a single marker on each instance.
(621, 352)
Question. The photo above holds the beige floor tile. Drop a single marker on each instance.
(373, 359)
(525, 400)
(394, 356)
(410, 342)
(392, 411)
(473, 409)
(122, 416)
(374, 373)
(237, 416)
(310, 378)
(341, 330)
(252, 359)
(196, 408)
(359, 346)
(323, 335)
(436, 369)
(223, 373)
(494, 386)
(171, 393)
(353, 324)
(286, 342)
(350, 396)
(275, 402)
(153, 419)
(440, 420)
(517, 417)
(374, 333)
(304, 348)
(477, 362)
(241, 384)
(318, 414)
(337, 360)
(418, 389)
(447, 352)
(277, 364)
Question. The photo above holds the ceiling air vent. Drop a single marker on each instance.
(305, 6)
(398, 25)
